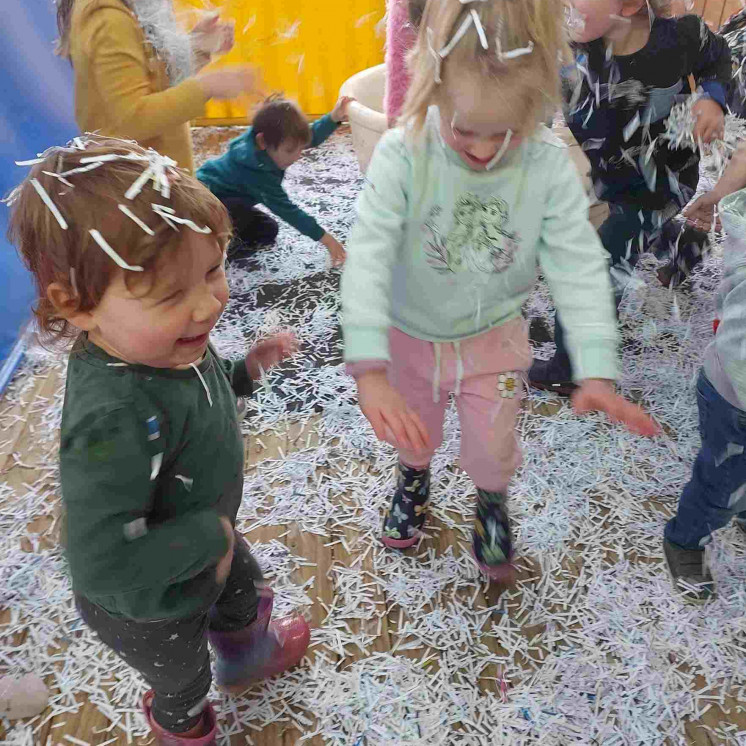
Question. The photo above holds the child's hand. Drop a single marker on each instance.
(210, 36)
(596, 395)
(390, 417)
(340, 110)
(224, 566)
(229, 82)
(335, 248)
(269, 352)
(710, 120)
(702, 211)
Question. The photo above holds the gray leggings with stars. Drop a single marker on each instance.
(172, 654)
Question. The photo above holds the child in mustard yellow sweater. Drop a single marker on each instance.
(137, 73)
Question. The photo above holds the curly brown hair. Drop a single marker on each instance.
(92, 199)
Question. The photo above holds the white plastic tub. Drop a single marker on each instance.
(367, 120)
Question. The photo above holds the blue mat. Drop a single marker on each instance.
(36, 111)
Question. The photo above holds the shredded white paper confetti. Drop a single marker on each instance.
(592, 645)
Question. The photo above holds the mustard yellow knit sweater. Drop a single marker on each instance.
(121, 86)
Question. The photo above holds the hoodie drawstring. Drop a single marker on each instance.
(204, 383)
(437, 347)
(459, 367)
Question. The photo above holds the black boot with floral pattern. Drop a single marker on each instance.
(403, 522)
(493, 543)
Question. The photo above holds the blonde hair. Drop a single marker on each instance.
(507, 25)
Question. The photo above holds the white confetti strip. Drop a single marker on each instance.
(131, 215)
(102, 242)
(47, 200)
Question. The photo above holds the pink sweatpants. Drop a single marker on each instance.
(485, 373)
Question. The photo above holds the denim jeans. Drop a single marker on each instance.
(716, 491)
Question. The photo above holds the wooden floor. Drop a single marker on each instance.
(19, 453)
(18, 425)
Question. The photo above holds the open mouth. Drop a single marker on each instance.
(192, 341)
(478, 161)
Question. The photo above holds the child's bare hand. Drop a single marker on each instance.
(596, 395)
(701, 212)
(211, 37)
(224, 566)
(710, 120)
(340, 109)
(269, 352)
(230, 82)
(390, 417)
(335, 249)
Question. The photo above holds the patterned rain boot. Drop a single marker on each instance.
(165, 738)
(492, 541)
(402, 526)
(261, 650)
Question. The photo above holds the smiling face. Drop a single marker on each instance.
(477, 126)
(164, 324)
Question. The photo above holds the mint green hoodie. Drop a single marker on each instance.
(443, 252)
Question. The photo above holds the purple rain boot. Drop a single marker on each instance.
(260, 650)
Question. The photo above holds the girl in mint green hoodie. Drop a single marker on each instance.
(461, 205)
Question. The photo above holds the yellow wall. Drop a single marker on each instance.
(304, 48)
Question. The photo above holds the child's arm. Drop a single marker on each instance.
(730, 340)
(711, 66)
(110, 477)
(710, 59)
(261, 357)
(702, 211)
(323, 128)
(122, 71)
(276, 199)
(576, 268)
(366, 295)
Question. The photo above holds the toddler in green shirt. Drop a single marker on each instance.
(128, 252)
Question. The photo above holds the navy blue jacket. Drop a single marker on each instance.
(616, 107)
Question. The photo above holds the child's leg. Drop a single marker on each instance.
(237, 606)
(417, 375)
(250, 645)
(682, 248)
(716, 491)
(251, 226)
(488, 406)
(172, 656)
(620, 235)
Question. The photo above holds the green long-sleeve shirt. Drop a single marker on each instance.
(246, 171)
(150, 458)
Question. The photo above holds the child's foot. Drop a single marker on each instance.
(203, 735)
(552, 375)
(260, 650)
(402, 525)
(689, 572)
(492, 540)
